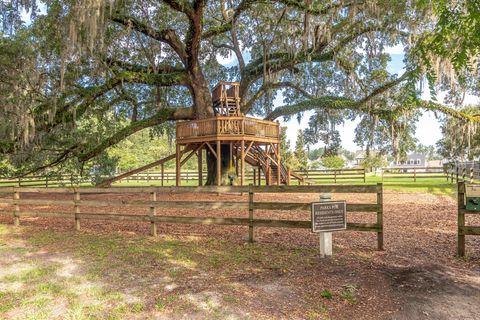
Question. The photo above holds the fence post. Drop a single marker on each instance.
(464, 173)
(461, 218)
(16, 209)
(365, 176)
(335, 176)
(250, 216)
(46, 181)
(380, 216)
(153, 213)
(471, 175)
(456, 176)
(76, 199)
(163, 172)
(414, 174)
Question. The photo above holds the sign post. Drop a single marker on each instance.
(328, 216)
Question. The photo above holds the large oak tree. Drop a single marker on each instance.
(89, 73)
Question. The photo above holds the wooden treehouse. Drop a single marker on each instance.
(230, 137)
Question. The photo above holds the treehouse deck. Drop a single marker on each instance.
(240, 139)
(227, 128)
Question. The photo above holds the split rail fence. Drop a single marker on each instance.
(458, 174)
(414, 173)
(464, 230)
(168, 177)
(250, 206)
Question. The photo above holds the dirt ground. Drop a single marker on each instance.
(212, 272)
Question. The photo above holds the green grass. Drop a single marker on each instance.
(438, 186)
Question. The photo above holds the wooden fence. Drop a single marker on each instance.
(334, 175)
(414, 173)
(464, 230)
(153, 218)
(463, 174)
(327, 175)
(45, 181)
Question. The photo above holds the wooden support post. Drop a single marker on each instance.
(76, 198)
(461, 218)
(250, 217)
(219, 163)
(16, 209)
(242, 162)
(153, 213)
(178, 165)
(380, 216)
(163, 172)
(267, 174)
(259, 176)
(254, 176)
(200, 167)
(279, 167)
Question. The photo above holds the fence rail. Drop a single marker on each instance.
(251, 206)
(413, 173)
(458, 174)
(464, 230)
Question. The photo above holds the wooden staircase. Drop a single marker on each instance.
(259, 157)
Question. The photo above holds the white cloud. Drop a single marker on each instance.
(396, 49)
(228, 61)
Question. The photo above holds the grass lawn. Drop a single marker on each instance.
(425, 185)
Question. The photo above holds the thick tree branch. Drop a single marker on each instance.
(332, 102)
(161, 68)
(162, 116)
(168, 36)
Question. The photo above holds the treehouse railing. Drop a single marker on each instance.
(220, 125)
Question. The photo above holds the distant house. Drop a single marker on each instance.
(361, 155)
(434, 163)
(413, 160)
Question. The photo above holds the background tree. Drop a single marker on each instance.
(286, 154)
(460, 141)
(374, 161)
(301, 154)
(333, 162)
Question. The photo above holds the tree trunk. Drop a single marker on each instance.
(212, 166)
